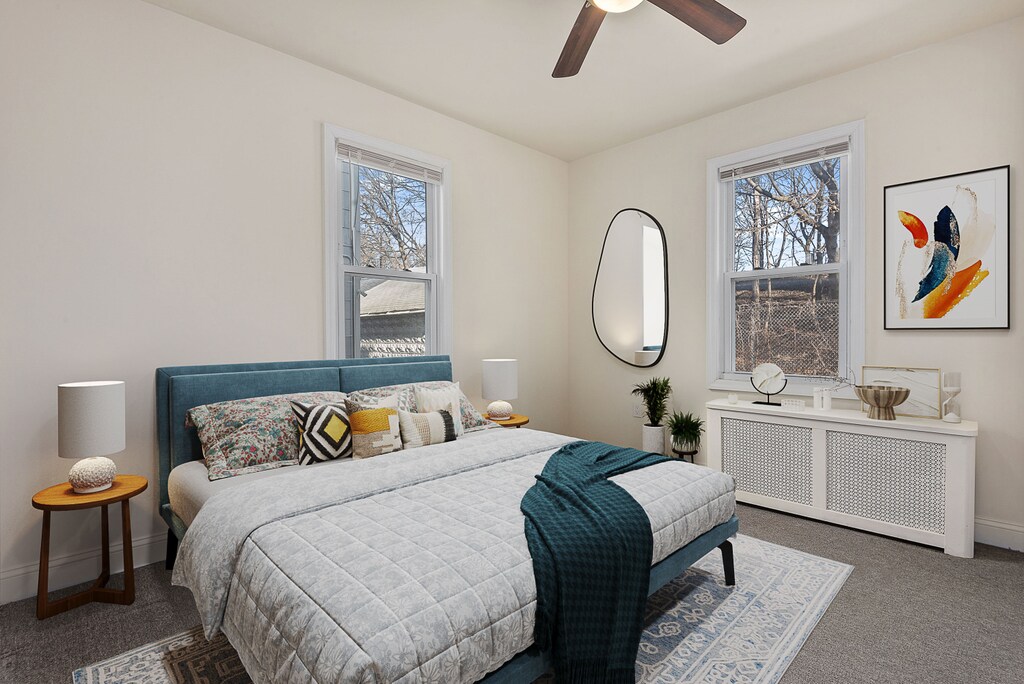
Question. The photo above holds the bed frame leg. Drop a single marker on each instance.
(172, 550)
(727, 562)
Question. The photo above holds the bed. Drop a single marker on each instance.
(406, 567)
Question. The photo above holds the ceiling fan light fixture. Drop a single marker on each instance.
(708, 17)
(616, 6)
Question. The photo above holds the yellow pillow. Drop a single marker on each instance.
(375, 432)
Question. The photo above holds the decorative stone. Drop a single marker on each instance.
(499, 410)
(92, 475)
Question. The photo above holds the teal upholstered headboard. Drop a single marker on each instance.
(179, 388)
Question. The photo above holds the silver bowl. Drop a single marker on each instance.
(881, 399)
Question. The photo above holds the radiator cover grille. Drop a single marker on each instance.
(770, 460)
(898, 481)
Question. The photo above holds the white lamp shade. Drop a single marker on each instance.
(90, 418)
(500, 379)
(616, 5)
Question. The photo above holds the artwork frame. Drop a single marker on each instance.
(925, 384)
(959, 279)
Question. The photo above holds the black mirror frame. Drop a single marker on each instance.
(593, 293)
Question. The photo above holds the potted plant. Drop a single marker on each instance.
(685, 429)
(654, 393)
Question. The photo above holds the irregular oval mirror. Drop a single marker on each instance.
(630, 305)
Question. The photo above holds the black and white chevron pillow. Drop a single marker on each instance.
(324, 432)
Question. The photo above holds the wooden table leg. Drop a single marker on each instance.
(129, 565)
(98, 591)
(44, 567)
(105, 537)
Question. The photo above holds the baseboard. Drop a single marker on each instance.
(999, 533)
(65, 571)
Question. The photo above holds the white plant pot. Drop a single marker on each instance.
(654, 438)
(686, 446)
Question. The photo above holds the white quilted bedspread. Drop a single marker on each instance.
(413, 567)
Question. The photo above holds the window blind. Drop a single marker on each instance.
(382, 162)
(795, 159)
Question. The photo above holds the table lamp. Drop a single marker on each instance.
(500, 383)
(90, 425)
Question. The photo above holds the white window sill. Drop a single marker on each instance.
(794, 387)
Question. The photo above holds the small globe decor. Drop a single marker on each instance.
(768, 379)
(881, 399)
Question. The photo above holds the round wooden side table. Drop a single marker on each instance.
(515, 421)
(62, 497)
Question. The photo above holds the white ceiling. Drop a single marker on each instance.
(489, 62)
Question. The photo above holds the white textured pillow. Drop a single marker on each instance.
(421, 429)
(444, 399)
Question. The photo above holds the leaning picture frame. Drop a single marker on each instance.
(925, 385)
(947, 252)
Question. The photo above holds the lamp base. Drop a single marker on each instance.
(499, 410)
(92, 475)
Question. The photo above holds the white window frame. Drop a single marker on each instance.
(720, 260)
(438, 277)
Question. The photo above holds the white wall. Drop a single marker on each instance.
(950, 107)
(160, 203)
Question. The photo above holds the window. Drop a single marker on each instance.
(387, 249)
(785, 260)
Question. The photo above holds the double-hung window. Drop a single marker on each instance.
(388, 255)
(785, 260)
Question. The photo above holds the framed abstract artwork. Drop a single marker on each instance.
(925, 400)
(947, 246)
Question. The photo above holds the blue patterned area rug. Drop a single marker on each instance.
(697, 629)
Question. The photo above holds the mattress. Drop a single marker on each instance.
(189, 485)
(408, 567)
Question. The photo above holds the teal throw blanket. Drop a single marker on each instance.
(591, 544)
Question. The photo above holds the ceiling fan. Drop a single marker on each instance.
(717, 22)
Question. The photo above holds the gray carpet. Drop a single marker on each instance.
(907, 614)
(47, 651)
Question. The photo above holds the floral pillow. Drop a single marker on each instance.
(365, 402)
(404, 398)
(249, 435)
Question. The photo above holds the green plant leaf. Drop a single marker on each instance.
(654, 393)
(686, 428)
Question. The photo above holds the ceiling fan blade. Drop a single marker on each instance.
(580, 38)
(717, 22)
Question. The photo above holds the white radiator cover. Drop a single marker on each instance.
(910, 478)
(768, 459)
